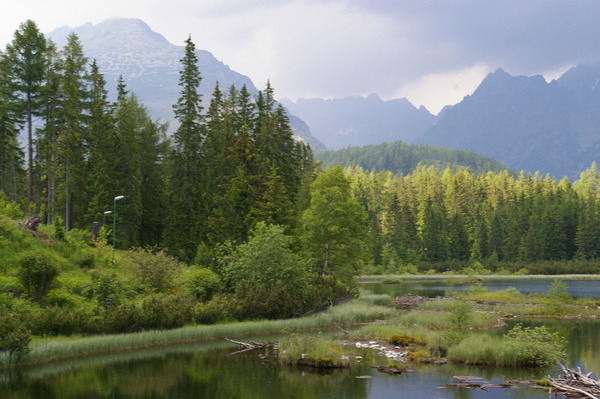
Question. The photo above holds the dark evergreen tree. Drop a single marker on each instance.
(186, 202)
(28, 61)
(73, 113)
(10, 152)
(102, 148)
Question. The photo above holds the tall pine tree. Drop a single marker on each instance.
(27, 58)
(186, 204)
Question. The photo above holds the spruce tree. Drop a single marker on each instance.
(102, 147)
(10, 152)
(186, 203)
(27, 59)
(73, 115)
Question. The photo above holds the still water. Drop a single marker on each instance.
(207, 370)
(432, 288)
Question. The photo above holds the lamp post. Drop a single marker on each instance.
(120, 197)
(104, 217)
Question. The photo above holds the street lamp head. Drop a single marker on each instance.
(107, 212)
(120, 197)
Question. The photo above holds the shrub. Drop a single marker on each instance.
(164, 311)
(155, 270)
(218, 309)
(14, 336)
(558, 292)
(266, 278)
(203, 284)
(461, 316)
(534, 346)
(106, 289)
(59, 229)
(37, 271)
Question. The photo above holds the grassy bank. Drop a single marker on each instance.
(357, 311)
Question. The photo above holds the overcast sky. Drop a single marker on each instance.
(433, 52)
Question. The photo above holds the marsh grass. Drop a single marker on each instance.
(360, 310)
(313, 351)
(519, 347)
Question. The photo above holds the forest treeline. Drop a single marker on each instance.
(439, 217)
(403, 158)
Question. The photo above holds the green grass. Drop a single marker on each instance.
(313, 351)
(520, 347)
(360, 310)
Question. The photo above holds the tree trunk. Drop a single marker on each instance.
(29, 155)
(326, 262)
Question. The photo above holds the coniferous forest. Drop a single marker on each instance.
(234, 197)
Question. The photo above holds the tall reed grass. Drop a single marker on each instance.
(357, 311)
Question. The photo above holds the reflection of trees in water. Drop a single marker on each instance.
(211, 373)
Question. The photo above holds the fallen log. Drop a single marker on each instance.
(576, 384)
(392, 370)
(248, 346)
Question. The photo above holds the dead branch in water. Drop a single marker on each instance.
(249, 346)
(576, 384)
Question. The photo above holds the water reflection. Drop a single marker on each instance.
(208, 371)
(577, 288)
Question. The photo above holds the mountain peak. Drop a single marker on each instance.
(120, 32)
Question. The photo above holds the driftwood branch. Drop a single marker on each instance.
(576, 383)
(248, 346)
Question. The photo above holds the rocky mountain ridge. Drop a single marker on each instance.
(528, 123)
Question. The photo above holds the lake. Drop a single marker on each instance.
(432, 288)
(207, 370)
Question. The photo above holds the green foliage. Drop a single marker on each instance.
(203, 284)
(333, 227)
(535, 346)
(312, 351)
(267, 279)
(9, 208)
(155, 270)
(221, 308)
(106, 289)
(14, 336)
(558, 292)
(460, 319)
(37, 272)
(59, 229)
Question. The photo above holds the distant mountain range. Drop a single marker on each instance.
(150, 66)
(523, 122)
(357, 121)
(527, 123)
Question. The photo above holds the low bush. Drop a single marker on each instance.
(156, 270)
(37, 271)
(533, 346)
(219, 309)
(203, 284)
(14, 336)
